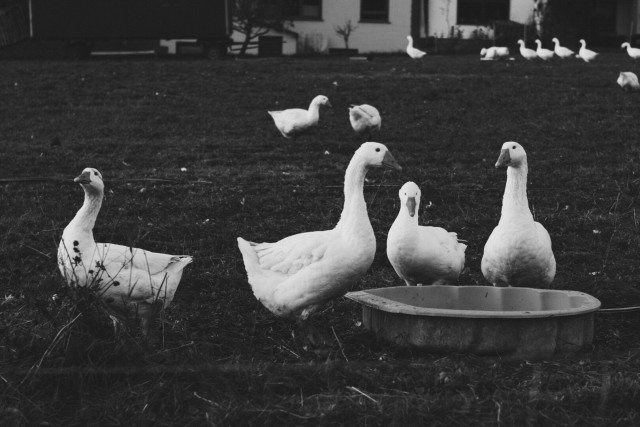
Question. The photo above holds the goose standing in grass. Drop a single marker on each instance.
(518, 251)
(296, 275)
(294, 121)
(412, 51)
(586, 54)
(628, 80)
(422, 255)
(527, 53)
(365, 119)
(561, 51)
(494, 52)
(633, 52)
(544, 54)
(130, 280)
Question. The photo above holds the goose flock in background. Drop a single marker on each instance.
(561, 51)
(633, 52)
(527, 53)
(365, 119)
(412, 51)
(294, 121)
(295, 276)
(544, 54)
(494, 52)
(585, 54)
(628, 80)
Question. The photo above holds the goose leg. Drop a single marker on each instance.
(314, 339)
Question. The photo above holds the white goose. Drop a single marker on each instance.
(294, 121)
(422, 255)
(586, 54)
(561, 51)
(412, 51)
(518, 251)
(527, 53)
(628, 80)
(364, 119)
(544, 54)
(494, 52)
(633, 52)
(296, 275)
(130, 280)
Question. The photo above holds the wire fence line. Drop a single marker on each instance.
(470, 186)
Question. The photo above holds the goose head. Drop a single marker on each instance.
(91, 181)
(521, 42)
(321, 100)
(538, 42)
(555, 40)
(374, 154)
(625, 44)
(410, 38)
(410, 198)
(483, 52)
(583, 43)
(512, 154)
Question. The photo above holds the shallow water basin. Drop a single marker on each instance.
(519, 323)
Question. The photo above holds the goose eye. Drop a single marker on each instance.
(377, 150)
(514, 147)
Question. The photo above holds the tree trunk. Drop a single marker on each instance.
(245, 43)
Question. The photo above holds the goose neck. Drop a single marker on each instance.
(515, 200)
(406, 225)
(355, 208)
(86, 217)
(314, 110)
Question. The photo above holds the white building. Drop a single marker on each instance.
(382, 25)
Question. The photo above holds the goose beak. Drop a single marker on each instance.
(83, 178)
(328, 104)
(411, 206)
(504, 159)
(389, 162)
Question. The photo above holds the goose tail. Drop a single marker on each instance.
(255, 274)
(178, 263)
(249, 256)
(460, 249)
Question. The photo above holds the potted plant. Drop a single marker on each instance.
(345, 31)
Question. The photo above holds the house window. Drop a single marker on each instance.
(482, 12)
(374, 10)
(306, 9)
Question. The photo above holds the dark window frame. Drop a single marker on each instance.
(298, 17)
(482, 12)
(384, 16)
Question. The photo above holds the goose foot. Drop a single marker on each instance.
(314, 339)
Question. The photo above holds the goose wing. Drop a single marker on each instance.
(116, 256)
(291, 254)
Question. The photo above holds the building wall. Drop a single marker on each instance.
(443, 15)
(368, 37)
(320, 35)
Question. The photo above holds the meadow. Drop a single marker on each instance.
(191, 160)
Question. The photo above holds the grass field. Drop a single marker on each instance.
(219, 357)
